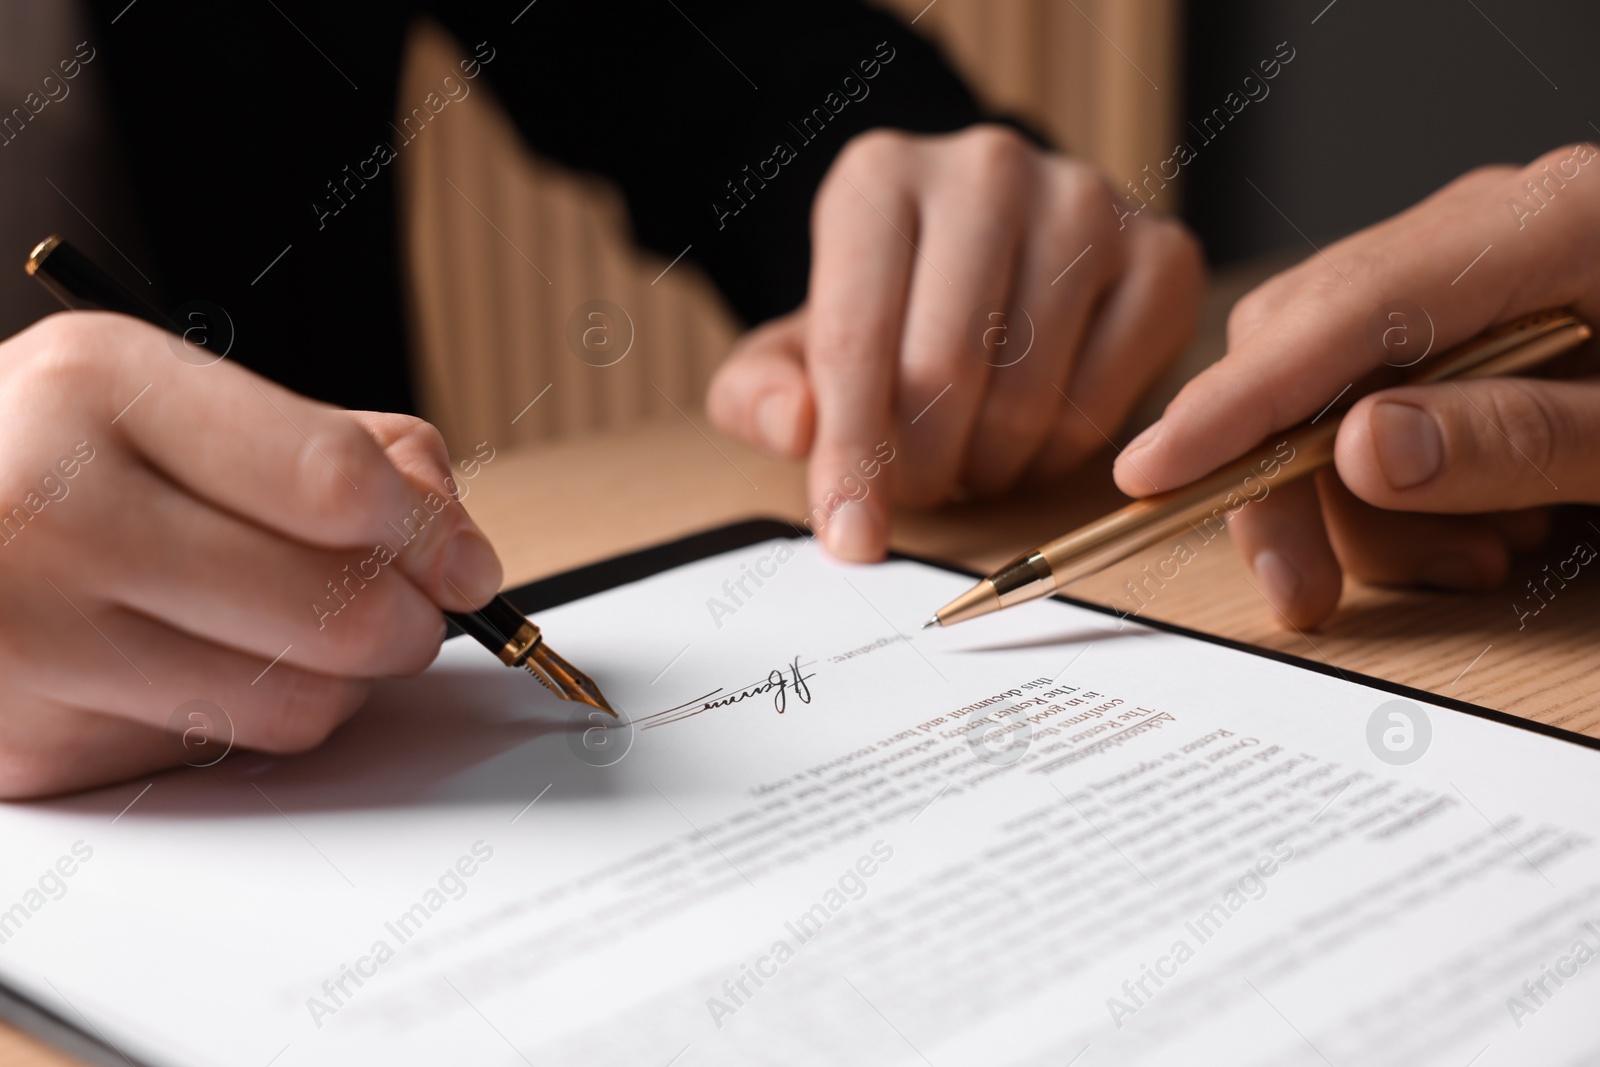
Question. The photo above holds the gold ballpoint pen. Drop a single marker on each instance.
(1501, 351)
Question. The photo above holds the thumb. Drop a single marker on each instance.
(1492, 445)
(760, 395)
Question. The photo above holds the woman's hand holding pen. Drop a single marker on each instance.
(173, 533)
(1433, 484)
(913, 238)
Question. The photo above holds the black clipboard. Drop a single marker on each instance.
(79, 1039)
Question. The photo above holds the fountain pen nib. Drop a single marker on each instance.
(563, 679)
(931, 623)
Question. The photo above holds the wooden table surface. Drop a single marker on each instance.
(668, 479)
(554, 507)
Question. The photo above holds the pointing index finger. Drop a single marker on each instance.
(864, 237)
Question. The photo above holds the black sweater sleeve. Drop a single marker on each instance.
(261, 142)
(717, 118)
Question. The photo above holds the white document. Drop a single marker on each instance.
(1048, 836)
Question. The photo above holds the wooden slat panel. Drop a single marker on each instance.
(484, 217)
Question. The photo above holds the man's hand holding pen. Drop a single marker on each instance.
(1434, 484)
(186, 556)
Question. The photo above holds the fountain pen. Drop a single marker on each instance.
(499, 626)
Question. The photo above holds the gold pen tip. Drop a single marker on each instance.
(565, 680)
(931, 623)
(595, 699)
(979, 600)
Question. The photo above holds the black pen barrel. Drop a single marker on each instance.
(75, 280)
(492, 625)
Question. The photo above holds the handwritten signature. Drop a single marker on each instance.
(777, 683)
(780, 683)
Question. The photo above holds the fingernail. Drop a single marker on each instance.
(1410, 450)
(1129, 458)
(1453, 572)
(1279, 581)
(471, 568)
(775, 422)
(851, 536)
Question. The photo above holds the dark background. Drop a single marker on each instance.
(1385, 101)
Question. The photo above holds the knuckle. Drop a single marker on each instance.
(1549, 163)
(998, 157)
(389, 628)
(1479, 179)
(1361, 270)
(868, 165)
(423, 439)
(874, 146)
(67, 350)
(1253, 309)
(424, 435)
(1248, 313)
(1489, 172)
(1088, 197)
(357, 634)
(1320, 284)
(922, 379)
(309, 708)
(1551, 175)
(432, 442)
(334, 456)
(1533, 427)
(840, 349)
(76, 329)
(869, 156)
